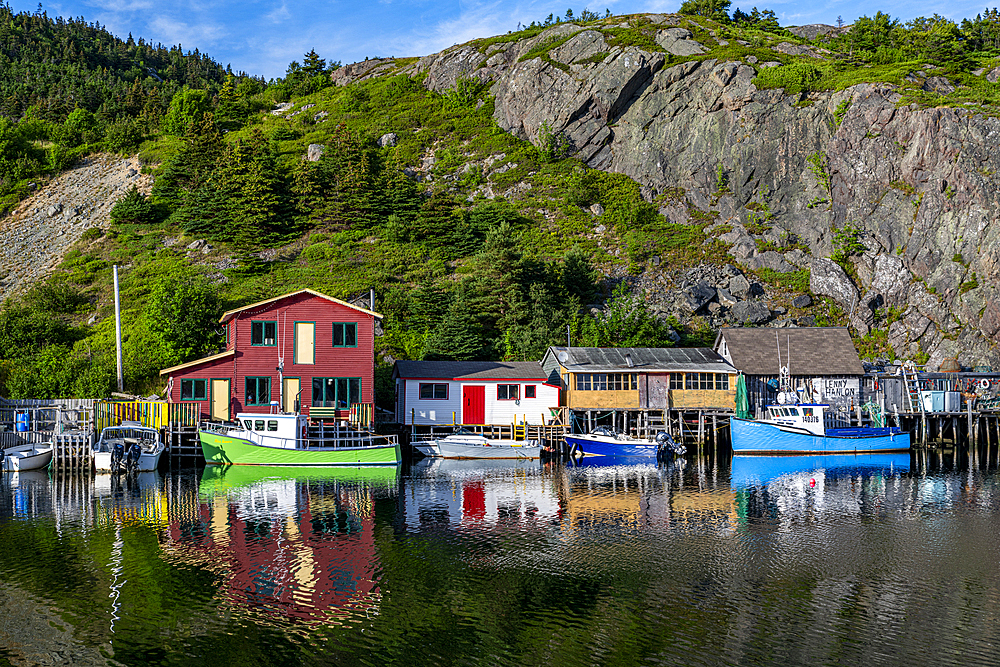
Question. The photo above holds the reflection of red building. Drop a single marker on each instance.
(298, 551)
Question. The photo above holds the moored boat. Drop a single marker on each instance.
(133, 439)
(285, 440)
(467, 445)
(20, 458)
(811, 428)
(603, 441)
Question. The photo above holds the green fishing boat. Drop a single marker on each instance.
(286, 440)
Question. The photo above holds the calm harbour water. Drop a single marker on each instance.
(875, 560)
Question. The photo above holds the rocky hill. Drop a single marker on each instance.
(912, 187)
(35, 237)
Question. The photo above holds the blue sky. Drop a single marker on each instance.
(263, 36)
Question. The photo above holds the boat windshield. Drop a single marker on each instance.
(110, 436)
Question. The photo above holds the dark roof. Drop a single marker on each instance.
(644, 359)
(807, 351)
(469, 370)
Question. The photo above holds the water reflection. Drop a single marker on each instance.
(758, 560)
(296, 543)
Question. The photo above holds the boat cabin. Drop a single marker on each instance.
(126, 433)
(815, 418)
(284, 431)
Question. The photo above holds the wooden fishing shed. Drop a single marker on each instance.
(822, 363)
(641, 390)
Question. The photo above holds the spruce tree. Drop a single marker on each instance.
(457, 338)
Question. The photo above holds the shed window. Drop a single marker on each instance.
(194, 390)
(338, 393)
(258, 391)
(529, 391)
(677, 380)
(433, 391)
(718, 381)
(264, 334)
(508, 392)
(607, 381)
(345, 334)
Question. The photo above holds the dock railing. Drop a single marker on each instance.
(318, 437)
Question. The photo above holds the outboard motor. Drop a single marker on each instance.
(667, 449)
(132, 458)
(117, 457)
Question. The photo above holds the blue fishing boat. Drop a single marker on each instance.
(811, 428)
(603, 441)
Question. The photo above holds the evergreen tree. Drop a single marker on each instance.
(457, 338)
(578, 275)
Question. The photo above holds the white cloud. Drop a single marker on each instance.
(171, 31)
(121, 5)
(279, 14)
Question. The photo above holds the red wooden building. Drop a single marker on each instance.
(304, 347)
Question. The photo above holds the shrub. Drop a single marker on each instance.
(123, 136)
(134, 208)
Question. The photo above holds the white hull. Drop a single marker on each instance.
(429, 448)
(148, 462)
(27, 457)
(448, 450)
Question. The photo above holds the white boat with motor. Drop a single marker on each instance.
(19, 458)
(128, 447)
(467, 445)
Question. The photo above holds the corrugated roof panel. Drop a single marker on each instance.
(644, 359)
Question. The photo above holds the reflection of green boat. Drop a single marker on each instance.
(285, 440)
(222, 479)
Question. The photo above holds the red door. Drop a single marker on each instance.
(474, 405)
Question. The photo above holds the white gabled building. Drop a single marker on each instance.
(439, 393)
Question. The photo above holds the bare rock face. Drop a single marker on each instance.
(536, 94)
(361, 71)
(679, 42)
(813, 30)
(583, 45)
(696, 296)
(753, 312)
(315, 152)
(826, 278)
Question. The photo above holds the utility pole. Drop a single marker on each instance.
(118, 333)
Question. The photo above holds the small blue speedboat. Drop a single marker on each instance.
(811, 428)
(602, 441)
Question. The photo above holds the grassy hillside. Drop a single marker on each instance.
(478, 245)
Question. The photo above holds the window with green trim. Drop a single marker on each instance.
(345, 334)
(194, 390)
(258, 391)
(337, 393)
(264, 334)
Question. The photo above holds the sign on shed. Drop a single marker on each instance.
(837, 391)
